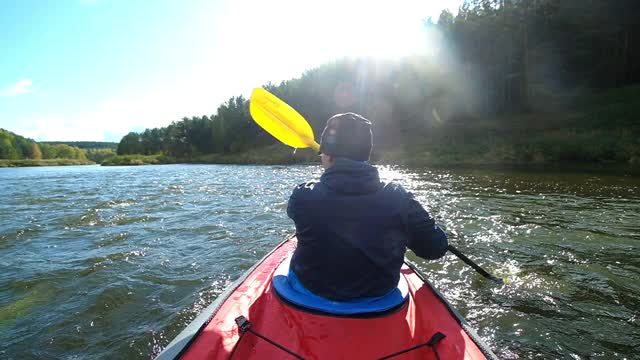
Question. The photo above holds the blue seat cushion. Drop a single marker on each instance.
(289, 287)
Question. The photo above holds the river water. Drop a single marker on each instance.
(112, 262)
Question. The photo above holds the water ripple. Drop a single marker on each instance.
(114, 262)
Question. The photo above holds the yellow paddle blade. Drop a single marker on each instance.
(281, 120)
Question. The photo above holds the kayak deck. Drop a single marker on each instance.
(318, 336)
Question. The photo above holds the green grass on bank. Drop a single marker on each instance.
(546, 147)
(273, 154)
(130, 160)
(276, 154)
(47, 162)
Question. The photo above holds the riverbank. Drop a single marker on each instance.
(397, 158)
(597, 130)
(47, 162)
(275, 154)
(502, 156)
(600, 129)
(136, 159)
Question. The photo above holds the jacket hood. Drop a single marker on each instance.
(351, 177)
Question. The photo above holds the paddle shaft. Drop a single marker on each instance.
(475, 266)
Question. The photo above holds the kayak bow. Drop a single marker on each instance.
(250, 321)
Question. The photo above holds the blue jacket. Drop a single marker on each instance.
(353, 231)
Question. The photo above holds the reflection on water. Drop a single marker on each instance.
(563, 243)
(114, 262)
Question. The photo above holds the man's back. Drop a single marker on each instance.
(353, 231)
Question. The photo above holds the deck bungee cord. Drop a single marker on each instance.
(244, 326)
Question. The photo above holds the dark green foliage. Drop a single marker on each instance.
(99, 155)
(130, 144)
(62, 151)
(16, 147)
(230, 130)
(13, 147)
(85, 144)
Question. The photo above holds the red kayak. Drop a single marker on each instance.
(250, 321)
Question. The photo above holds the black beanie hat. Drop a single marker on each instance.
(347, 135)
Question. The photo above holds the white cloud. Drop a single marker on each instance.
(21, 87)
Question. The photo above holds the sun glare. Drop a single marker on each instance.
(288, 37)
(386, 34)
(377, 29)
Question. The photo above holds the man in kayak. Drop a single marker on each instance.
(352, 229)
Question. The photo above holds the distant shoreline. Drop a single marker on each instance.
(247, 159)
(47, 162)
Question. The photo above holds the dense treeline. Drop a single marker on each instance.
(98, 155)
(16, 147)
(523, 53)
(505, 80)
(61, 151)
(96, 151)
(86, 144)
(229, 130)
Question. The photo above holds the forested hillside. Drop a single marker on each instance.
(504, 81)
(16, 147)
(16, 150)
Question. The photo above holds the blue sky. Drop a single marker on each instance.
(94, 70)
